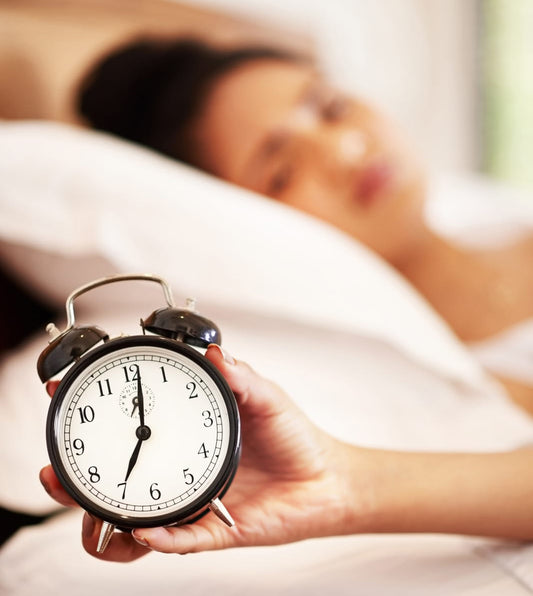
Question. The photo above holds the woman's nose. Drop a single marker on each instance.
(350, 146)
(339, 151)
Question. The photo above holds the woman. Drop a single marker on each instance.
(266, 120)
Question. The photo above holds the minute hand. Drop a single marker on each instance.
(140, 397)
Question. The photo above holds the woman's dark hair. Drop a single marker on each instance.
(150, 91)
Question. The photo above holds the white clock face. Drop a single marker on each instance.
(134, 470)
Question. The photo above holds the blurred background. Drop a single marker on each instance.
(455, 73)
(458, 74)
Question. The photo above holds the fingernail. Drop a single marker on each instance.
(228, 358)
(51, 387)
(142, 541)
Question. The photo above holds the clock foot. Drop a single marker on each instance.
(221, 512)
(105, 536)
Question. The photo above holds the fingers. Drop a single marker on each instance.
(122, 548)
(51, 387)
(53, 487)
(258, 395)
(206, 534)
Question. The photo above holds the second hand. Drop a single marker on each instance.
(142, 432)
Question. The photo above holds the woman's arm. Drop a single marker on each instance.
(296, 482)
(43, 77)
(460, 493)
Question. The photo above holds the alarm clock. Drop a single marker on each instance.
(142, 430)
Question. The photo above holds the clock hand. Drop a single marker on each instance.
(140, 397)
(135, 404)
(143, 433)
(133, 458)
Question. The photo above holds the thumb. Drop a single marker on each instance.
(255, 394)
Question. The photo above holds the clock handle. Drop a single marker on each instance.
(71, 319)
(67, 346)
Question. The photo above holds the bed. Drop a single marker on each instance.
(302, 303)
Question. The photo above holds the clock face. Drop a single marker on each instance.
(150, 467)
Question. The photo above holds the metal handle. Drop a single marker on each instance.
(71, 319)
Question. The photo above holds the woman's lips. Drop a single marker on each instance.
(372, 180)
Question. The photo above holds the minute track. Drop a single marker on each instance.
(212, 465)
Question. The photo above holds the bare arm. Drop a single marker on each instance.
(43, 76)
(463, 493)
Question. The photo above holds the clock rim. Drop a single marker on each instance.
(221, 482)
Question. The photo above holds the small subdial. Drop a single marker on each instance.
(129, 402)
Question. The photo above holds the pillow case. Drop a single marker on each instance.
(76, 203)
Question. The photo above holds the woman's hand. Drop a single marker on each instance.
(293, 481)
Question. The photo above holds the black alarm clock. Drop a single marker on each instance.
(142, 430)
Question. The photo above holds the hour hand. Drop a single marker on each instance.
(143, 434)
(133, 458)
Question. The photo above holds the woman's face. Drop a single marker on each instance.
(276, 128)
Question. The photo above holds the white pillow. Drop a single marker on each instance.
(73, 199)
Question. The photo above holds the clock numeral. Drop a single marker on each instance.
(163, 374)
(94, 477)
(203, 451)
(79, 446)
(104, 386)
(192, 388)
(124, 491)
(189, 478)
(208, 418)
(155, 493)
(86, 414)
(131, 372)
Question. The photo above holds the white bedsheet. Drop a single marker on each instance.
(339, 380)
(428, 565)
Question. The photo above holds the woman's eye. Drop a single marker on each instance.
(280, 180)
(335, 108)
